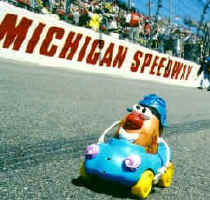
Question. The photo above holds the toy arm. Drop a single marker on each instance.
(101, 138)
(161, 140)
(162, 170)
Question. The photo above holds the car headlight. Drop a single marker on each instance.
(92, 151)
(132, 162)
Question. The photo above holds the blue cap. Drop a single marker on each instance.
(207, 59)
(152, 100)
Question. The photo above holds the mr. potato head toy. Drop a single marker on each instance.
(137, 156)
(145, 122)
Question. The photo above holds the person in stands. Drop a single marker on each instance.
(205, 74)
(147, 32)
(95, 19)
(68, 6)
(84, 18)
(132, 21)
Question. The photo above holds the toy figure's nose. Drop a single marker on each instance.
(134, 121)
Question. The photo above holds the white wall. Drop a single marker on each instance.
(44, 31)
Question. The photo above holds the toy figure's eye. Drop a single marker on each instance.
(141, 109)
(136, 107)
(146, 111)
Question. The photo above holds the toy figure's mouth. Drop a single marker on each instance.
(131, 137)
(134, 121)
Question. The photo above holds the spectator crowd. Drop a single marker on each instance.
(114, 18)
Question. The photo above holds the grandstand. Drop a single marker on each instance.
(174, 27)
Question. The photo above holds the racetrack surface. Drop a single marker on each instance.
(49, 115)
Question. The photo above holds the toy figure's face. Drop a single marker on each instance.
(140, 127)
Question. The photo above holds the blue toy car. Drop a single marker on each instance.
(120, 161)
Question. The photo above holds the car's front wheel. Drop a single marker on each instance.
(144, 185)
(84, 176)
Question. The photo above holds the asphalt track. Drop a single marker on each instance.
(49, 115)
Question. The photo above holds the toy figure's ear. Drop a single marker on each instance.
(153, 147)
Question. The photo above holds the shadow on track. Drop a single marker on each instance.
(24, 156)
(103, 187)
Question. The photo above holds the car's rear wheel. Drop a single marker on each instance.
(84, 176)
(144, 185)
(166, 178)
